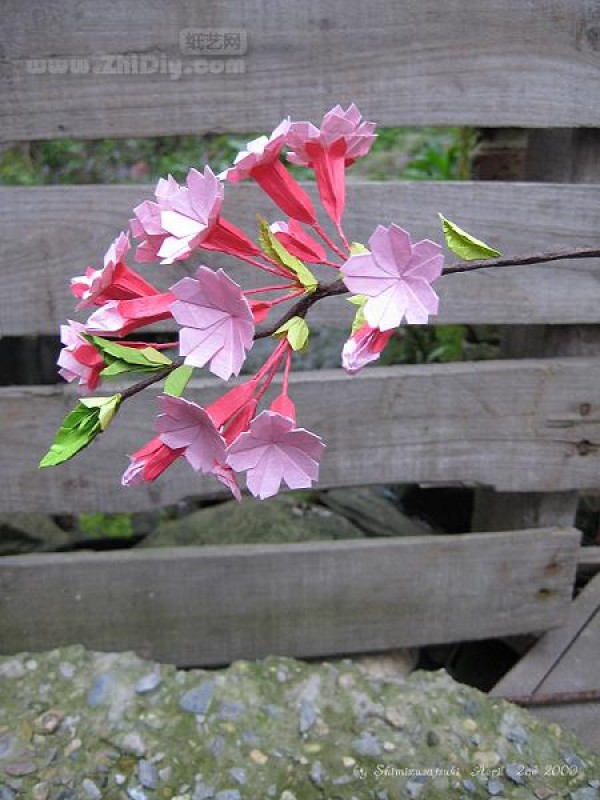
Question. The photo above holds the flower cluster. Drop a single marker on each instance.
(247, 429)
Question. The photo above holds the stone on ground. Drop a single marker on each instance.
(76, 724)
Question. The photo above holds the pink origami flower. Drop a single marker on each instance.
(79, 360)
(216, 322)
(273, 450)
(116, 281)
(150, 461)
(184, 218)
(121, 317)
(396, 276)
(147, 226)
(357, 134)
(183, 425)
(342, 138)
(365, 345)
(258, 153)
(298, 242)
(225, 475)
(260, 161)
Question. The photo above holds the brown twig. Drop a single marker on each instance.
(154, 378)
(516, 261)
(337, 287)
(554, 698)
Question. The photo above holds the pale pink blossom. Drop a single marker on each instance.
(185, 425)
(149, 462)
(260, 161)
(192, 212)
(342, 138)
(298, 242)
(396, 276)
(185, 218)
(147, 225)
(216, 322)
(365, 345)
(79, 360)
(121, 317)
(357, 134)
(115, 281)
(258, 152)
(225, 475)
(273, 450)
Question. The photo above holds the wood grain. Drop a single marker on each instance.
(515, 425)
(565, 659)
(50, 234)
(210, 605)
(413, 62)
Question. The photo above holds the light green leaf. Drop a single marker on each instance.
(120, 359)
(272, 247)
(297, 332)
(463, 244)
(106, 407)
(80, 427)
(358, 249)
(358, 299)
(359, 318)
(178, 380)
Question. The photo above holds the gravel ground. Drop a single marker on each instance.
(79, 724)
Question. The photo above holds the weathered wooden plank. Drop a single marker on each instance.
(589, 557)
(511, 510)
(414, 62)
(50, 234)
(516, 425)
(562, 156)
(564, 660)
(211, 605)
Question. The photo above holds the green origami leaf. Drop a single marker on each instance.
(106, 407)
(463, 244)
(90, 417)
(359, 318)
(297, 332)
(358, 249)
(273, 248)
(120, 359)
(178, 380)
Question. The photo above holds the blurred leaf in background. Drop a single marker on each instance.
(110, 526)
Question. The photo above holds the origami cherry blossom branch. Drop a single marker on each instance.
(336, 288)
(242, 431)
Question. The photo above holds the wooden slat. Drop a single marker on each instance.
(211, 605)
(50, 234)
(564, 660)
(589, 557)
(515, 425)
(414, 62)
(565, 157)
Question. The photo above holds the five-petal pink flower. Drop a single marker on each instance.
(121, 317)
(273, 450)
(216, 322)
(115, 281)
(365, 345)
(298, 242)
(149, 462)
(258, 153)
(260, 161)
(184, 218)
(183, 425)
(396, 276)
(79, 360)
(342, 138)
(358, 135)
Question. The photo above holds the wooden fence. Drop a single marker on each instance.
(527, 429)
